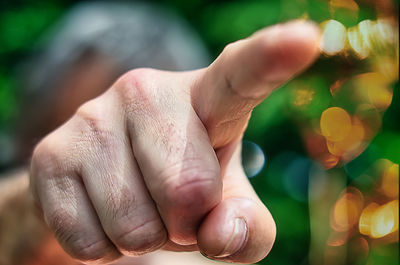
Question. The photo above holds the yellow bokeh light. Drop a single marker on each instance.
(390, 181)
(334, 37)
(351, 142)
(379, 93)
(377, 88)
(375, 39)
(357, 43)
(382, 34)
(347, 210)
(364, 224)
(388, 66)
(372, 36)
(365, 28)
(347, 4)
(385, 220)
(303, 97)
(335, 124)
(378, 221)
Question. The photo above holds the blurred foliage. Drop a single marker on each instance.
(277, 125)
(21, 24)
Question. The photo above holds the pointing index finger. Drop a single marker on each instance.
(246, 72)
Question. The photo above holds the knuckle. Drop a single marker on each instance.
(50, 162)
(41, 154)
(133, 88)
(191, 187)
(95, 128)
(230, 48)
(137, 238)
(46, 157)
(91, 115)
(134, 77)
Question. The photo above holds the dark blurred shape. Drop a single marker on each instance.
(296, 178)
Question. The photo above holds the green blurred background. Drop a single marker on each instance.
(277, 126)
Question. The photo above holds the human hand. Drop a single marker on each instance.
(154, 162)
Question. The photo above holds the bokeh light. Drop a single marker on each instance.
(350, 142)
(365, 222)
(253, 158)
(379, 221)
(347, 4)
(363, 33)
(376, 88)
(335, 124)
(303, 97)
(385, 219)
(390, 181)
(347, 209)
(333, 37)
(296, 178)
(357, 42)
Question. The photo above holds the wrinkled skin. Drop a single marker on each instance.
(154, 162)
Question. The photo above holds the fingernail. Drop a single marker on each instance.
(237, 239)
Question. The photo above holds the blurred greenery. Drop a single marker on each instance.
(274, 124)
(21, 24)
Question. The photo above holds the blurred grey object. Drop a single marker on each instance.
(132, 34)
(253, 158)
(119, 35)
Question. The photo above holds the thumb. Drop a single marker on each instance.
(246, 72)
(240, 228)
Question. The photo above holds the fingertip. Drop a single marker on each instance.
(303, 38)
(237, 230)
(288, 49)
(248, 71)
(222, 234)
(306, 27)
